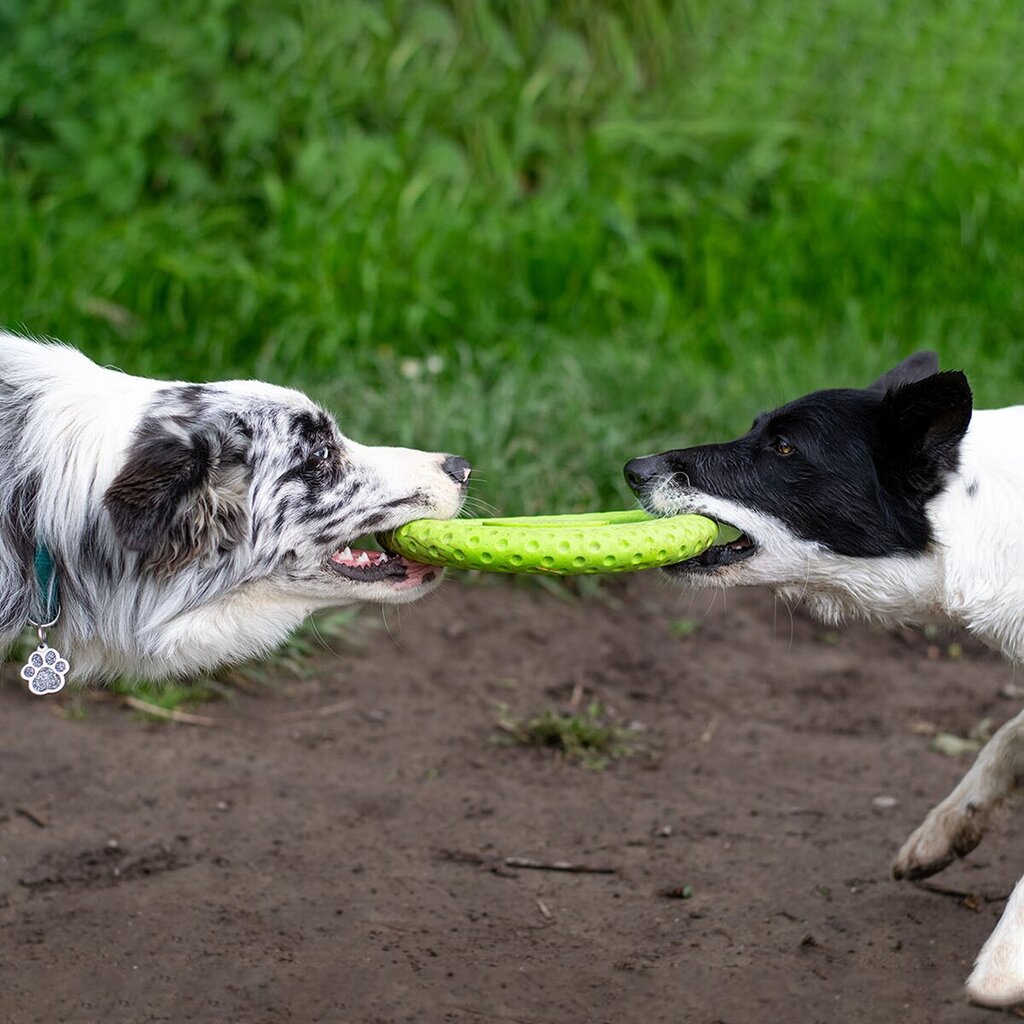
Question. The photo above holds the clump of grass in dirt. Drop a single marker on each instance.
(175, 698)
(684, 628)
(590, 736)
(956, 746)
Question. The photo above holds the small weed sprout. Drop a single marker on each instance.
(683, 627)
(589, 736)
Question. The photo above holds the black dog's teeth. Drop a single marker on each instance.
(717, 555)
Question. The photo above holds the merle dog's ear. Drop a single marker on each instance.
(921, 425)
(913, 368)
(183, 492)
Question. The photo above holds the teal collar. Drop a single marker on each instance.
(49, 585)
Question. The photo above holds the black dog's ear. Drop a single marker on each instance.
(183, 492)
(913, 368)
(921, 426)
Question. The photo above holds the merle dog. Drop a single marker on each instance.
(191, 525)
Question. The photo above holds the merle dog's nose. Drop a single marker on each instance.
(457, 468)
(640, 472)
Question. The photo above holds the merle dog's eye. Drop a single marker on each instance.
(321, 456)
(782, 446)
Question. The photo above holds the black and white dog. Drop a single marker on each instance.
(192, 525)
(892, 503)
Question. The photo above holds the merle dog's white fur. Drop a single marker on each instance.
(191, 525)
(968, 571)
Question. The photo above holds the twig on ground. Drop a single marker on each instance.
(544, 909)
(525, 863)
(172, 715)
(971, 900)
(557, 865)
(576, 699)
(322, 712)
(27, 812)
(709, 731)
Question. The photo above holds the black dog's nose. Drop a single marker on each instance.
(457, 468)
(640, 472)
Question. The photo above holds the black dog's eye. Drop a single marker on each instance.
(782, 446)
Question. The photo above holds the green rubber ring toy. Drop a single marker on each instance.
(566, 545)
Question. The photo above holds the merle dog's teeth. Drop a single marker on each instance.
(383, 558)
(363, 559)
(347, 554)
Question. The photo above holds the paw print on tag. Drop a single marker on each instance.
(45, 670)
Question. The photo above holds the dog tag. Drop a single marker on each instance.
(45, 670)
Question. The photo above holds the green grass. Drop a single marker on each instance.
(546, 235)
(590, 736)
(168, 696)
(684, 628)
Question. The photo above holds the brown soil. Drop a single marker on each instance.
(305, 862)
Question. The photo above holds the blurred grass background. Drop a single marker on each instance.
(547, 235)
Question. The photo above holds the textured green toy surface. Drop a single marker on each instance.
(566, 545)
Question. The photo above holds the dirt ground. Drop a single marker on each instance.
(309, 858)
